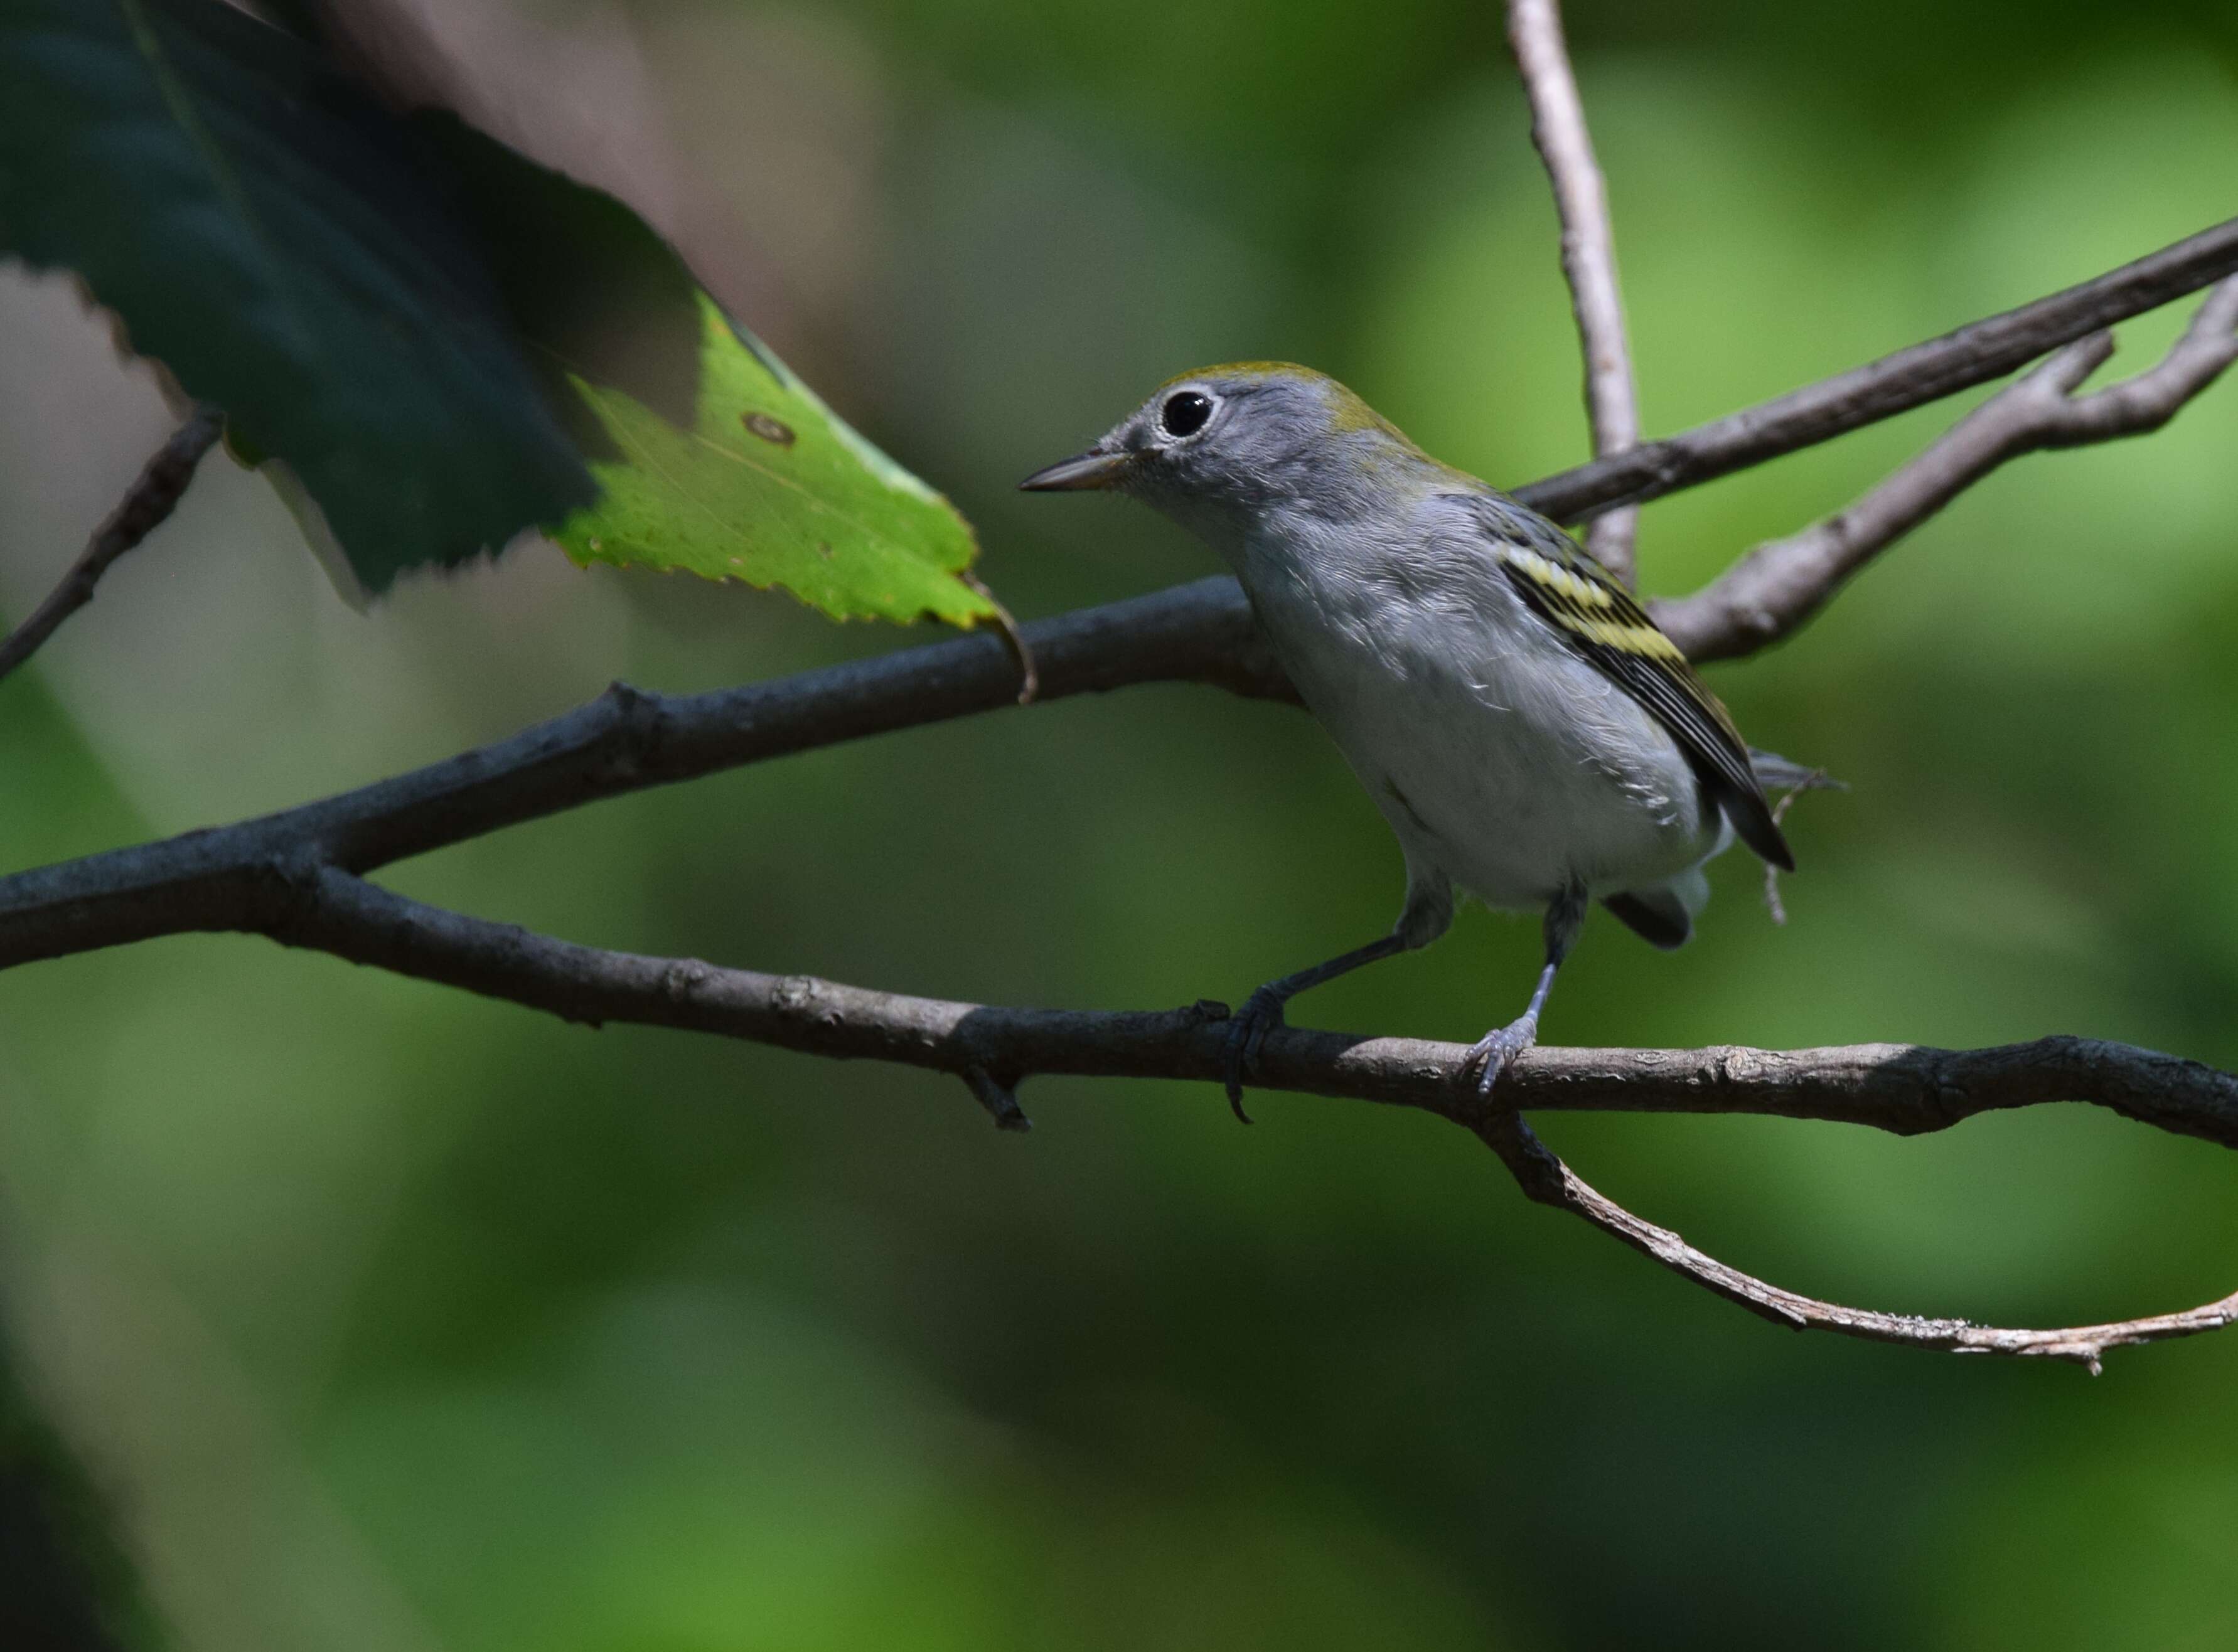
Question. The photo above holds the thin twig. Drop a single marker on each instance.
(1776, 587)
(151, 498)
(1564, 144)
(1546, 1179)
(1815, 779)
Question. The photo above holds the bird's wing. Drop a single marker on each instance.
(1591, 612)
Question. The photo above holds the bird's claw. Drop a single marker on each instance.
(1489, 1056)
(1246, 1035)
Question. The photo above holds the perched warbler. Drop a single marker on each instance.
(1530, 734)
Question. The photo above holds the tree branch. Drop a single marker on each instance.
(1902, 1088)
(1559, 131)
(147, 504)
(1974, 354)
(627, 740)
(1778, 586)
(1906, 1089)
(294, 875)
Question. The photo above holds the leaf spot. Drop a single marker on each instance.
(769, 429)
(823, 549)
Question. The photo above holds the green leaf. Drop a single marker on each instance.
(279, 241)
(711, 456)
(438, 342)
(769, 486)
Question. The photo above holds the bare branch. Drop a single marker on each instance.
(626, 740)
(150, 499)
(1813, 780)
(1906, 1089)
(1898, 1088)
(274, 877)
(1559, 131)
(1545, 1179)
(1202, 632)
(293, 875)
(1778, 586)
(1911, 378)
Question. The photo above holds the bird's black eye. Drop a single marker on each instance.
(1184, 415)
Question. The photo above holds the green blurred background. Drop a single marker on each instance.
(392, 1318)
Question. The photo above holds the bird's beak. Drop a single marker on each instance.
(1087, 471)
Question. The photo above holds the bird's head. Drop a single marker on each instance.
(1226, 446)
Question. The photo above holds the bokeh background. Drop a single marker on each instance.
(395, 1320)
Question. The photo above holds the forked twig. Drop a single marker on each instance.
(1776, 587)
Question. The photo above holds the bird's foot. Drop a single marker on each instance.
(1489, 1056)
(1246, 1035)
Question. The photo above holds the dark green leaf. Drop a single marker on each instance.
(430, 334)
(279, 241)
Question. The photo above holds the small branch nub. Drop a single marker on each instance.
(998, 1098)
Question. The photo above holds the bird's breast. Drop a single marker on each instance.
(1497, 754)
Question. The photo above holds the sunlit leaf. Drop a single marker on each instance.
(711, 456)
(768, 485)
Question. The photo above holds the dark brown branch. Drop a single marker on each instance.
(1907, 1089)
(1898, 1088)
(1564, 144)
(292, 876)
(1778, 586)
(627, 740)
(1913, 378)
(623, 741)
(147, 503)
(1545, 1179)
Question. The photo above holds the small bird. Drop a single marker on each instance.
(1531, 735)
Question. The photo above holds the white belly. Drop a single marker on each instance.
(1500, 757)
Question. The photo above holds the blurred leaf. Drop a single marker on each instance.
(273, 237)
(65, 1584)
(584, 279)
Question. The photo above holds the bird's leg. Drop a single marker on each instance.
(1262, 1011)
(1489, 1056)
